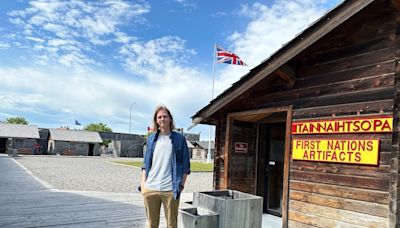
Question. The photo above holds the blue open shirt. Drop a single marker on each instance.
(180, 161)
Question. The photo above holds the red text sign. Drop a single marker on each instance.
(241, 147)
(376, 124)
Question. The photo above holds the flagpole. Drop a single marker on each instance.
(212, 97)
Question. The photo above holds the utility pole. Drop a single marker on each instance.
(130, 116)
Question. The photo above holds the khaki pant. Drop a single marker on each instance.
(152, 203)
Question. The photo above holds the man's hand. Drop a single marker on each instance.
(143, 180)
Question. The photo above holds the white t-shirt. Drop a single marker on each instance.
(160, 175)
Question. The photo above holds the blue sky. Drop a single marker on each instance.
(63, 60)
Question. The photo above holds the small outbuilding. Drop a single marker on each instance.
(74, 142)
(123, 145)
(314, 129)
(200, 150)
(18, 136)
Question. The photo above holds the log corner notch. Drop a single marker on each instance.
(287, 74)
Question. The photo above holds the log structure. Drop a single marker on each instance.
(343, 70)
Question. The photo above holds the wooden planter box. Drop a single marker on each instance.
(198, 218)
(235, 209)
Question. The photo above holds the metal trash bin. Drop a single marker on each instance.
(236, 209)
(197, 218)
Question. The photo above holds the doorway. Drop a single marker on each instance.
(271, 156)
(3, 146)
(91, 147)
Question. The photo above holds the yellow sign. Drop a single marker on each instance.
(359, 151)
(376, 124)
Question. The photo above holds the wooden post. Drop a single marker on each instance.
(228, 137)
(286, 169)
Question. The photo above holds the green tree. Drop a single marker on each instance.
(97, 127)
(17, 120)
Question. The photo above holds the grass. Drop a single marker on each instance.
(194, 166)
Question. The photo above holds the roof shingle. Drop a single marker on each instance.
(18, 131)
(75, 136)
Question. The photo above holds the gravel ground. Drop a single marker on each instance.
(98, 174)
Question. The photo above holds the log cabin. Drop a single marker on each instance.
(314, 128)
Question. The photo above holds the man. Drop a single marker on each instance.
(165, 168)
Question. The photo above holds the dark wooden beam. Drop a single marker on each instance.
(368, 107)
(359, 96)
(286, 73)
(228, 137)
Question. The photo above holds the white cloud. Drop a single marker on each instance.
(4, 45)
(36, 39)
(75, 60)
(188, 4)
(121, 37)
(16, 21)
(81, 24)
(61, 95)
(60, 42)
(270, 28)
(75, 28)
(158, 59)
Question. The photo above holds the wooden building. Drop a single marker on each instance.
(123, 145)
(200, 150)
(74, 142)
(314, 128)
(19, 137)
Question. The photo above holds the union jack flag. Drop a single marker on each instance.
(224, 56)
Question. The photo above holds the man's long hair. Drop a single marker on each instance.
(155, 124)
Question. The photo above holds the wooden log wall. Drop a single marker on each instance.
(352, 72)
(341, 195)
(394, 215)
(219, 173)
(242, 166)
(353, 63)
